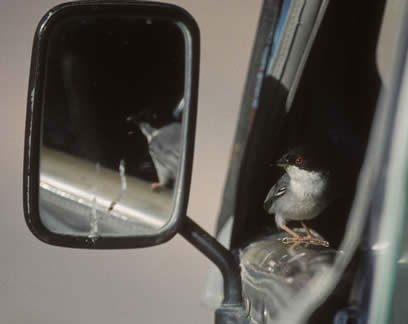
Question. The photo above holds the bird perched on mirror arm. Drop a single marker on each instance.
(306, 188)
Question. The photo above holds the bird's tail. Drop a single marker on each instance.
(147, 130)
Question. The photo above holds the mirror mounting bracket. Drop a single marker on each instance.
(220, 256)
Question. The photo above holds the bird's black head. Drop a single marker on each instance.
(306, 158)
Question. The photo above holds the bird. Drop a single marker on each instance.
(164, 148)
(303, 192)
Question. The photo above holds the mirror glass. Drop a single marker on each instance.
(112, 119)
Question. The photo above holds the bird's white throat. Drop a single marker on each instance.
(306, 183)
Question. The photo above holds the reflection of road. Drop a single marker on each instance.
(82, 198)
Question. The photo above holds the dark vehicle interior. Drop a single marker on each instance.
(113, 98)
(335, 100)
(333, 107)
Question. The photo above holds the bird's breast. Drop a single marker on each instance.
(305, 197)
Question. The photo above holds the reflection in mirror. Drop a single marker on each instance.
(112, 125)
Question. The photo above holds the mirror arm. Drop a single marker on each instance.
(219, 255)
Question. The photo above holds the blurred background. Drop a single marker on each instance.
(164, 284)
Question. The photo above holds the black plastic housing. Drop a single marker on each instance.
(35, 109)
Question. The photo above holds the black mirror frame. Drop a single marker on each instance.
(31, 174)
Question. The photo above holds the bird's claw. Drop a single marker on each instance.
(307, 240)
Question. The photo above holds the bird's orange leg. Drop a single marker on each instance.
(293, 233)
(297, 239)
(313, 239)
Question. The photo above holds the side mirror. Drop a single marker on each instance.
(110, 124)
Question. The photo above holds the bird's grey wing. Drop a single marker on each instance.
(165, 175)
(165, 159)
(165, 146)
(171, 131)
(277, 190)
(165, 149)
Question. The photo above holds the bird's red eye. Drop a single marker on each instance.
(299, 161)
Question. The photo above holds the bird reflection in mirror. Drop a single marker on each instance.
(161, 126)
(164, 148)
